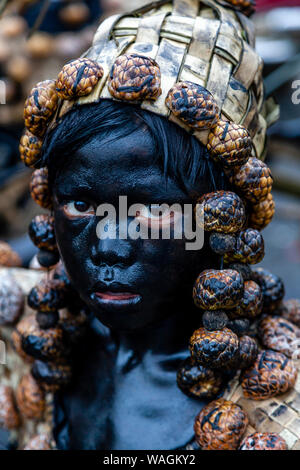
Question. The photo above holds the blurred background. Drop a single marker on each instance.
(37, 37)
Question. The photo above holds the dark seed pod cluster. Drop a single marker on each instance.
(214, 349)
(30, 398)
(264, 441)
(39, 188)
(78, 78)
(214, 320)
(253, 179)
(280, 335)
(135, 78)
(243, 269)
(220, 211)
(229, 144)
(47, 296)
(40, 107)
(47, 319)
(12, 300)
(271, 375)
(47, 259)
(198, 381)
(9, 416)
(248, 352)
(249, 248)
(42, 233)
(51, 376)
(217, 290)
(246, 6)
(239, 326)
(290, 310)
(272, 288)
(222, 243)
(220, 425)
(193, 104)
(251, 303)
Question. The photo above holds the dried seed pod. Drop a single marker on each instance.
(60, 274)
(246, 6)
(11, 300)
(249, 248)
(40, 45)
(39, 442)
(193, 104)
(78, 78)
(30, 398)
(40, 107)
(8, 257)
(214, 320)
(39, 188)
(222, 243)
(271, 375)
(280, 335)
(220, 211)
(216, 290)
(252, 302)
(262, 213)
(240, 326)
(47, 319)
(51, 377)
(135, 78)
(229, 144)
(214, 349)
(47, 259)
(74, 326)
(30, 149)
(9, 416)
(42, 344)
(74, 14)
(263, 441)
(290, 309)
(248, 352)
(42, 233)
(47, 296)
(21, 328)
(220, 425)
(197, 381)
(272, 288)
(243, 269)
(253, 179)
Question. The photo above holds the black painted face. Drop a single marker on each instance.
(127, 283)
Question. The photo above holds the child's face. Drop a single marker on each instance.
(127, 283)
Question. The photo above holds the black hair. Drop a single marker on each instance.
(180, 155)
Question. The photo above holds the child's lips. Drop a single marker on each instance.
(116, 296)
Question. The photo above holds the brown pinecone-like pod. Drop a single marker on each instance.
(290, 309)
(262, 213)
(42, 344)
(50, 376)
(239, 326)
(248, 352)
(30, 398)
(78, 78)
(214, 349)
(243, 269)
(253, 179)
(216, 290)
(263, 441)
(39, 188)
(9, 416)
(229, 144)
(271, 375)
(246, 6)
(280, 335)
(30, 149)
(21, 328)
(272, 288)
(39, 442)
(42, 233)
(220, 211)
(251, 304)
(40, 106)
(47, 319)
(193, 104)
(12, 300)
(47, 296)
(214, 320)
(197, 381)
(220, 425)
(8, 257)
(249, 248)
(135, 77)
(222, 243)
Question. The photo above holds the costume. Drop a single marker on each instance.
(193, 63)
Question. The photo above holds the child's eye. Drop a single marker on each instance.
(78, 209)
(157, 216)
